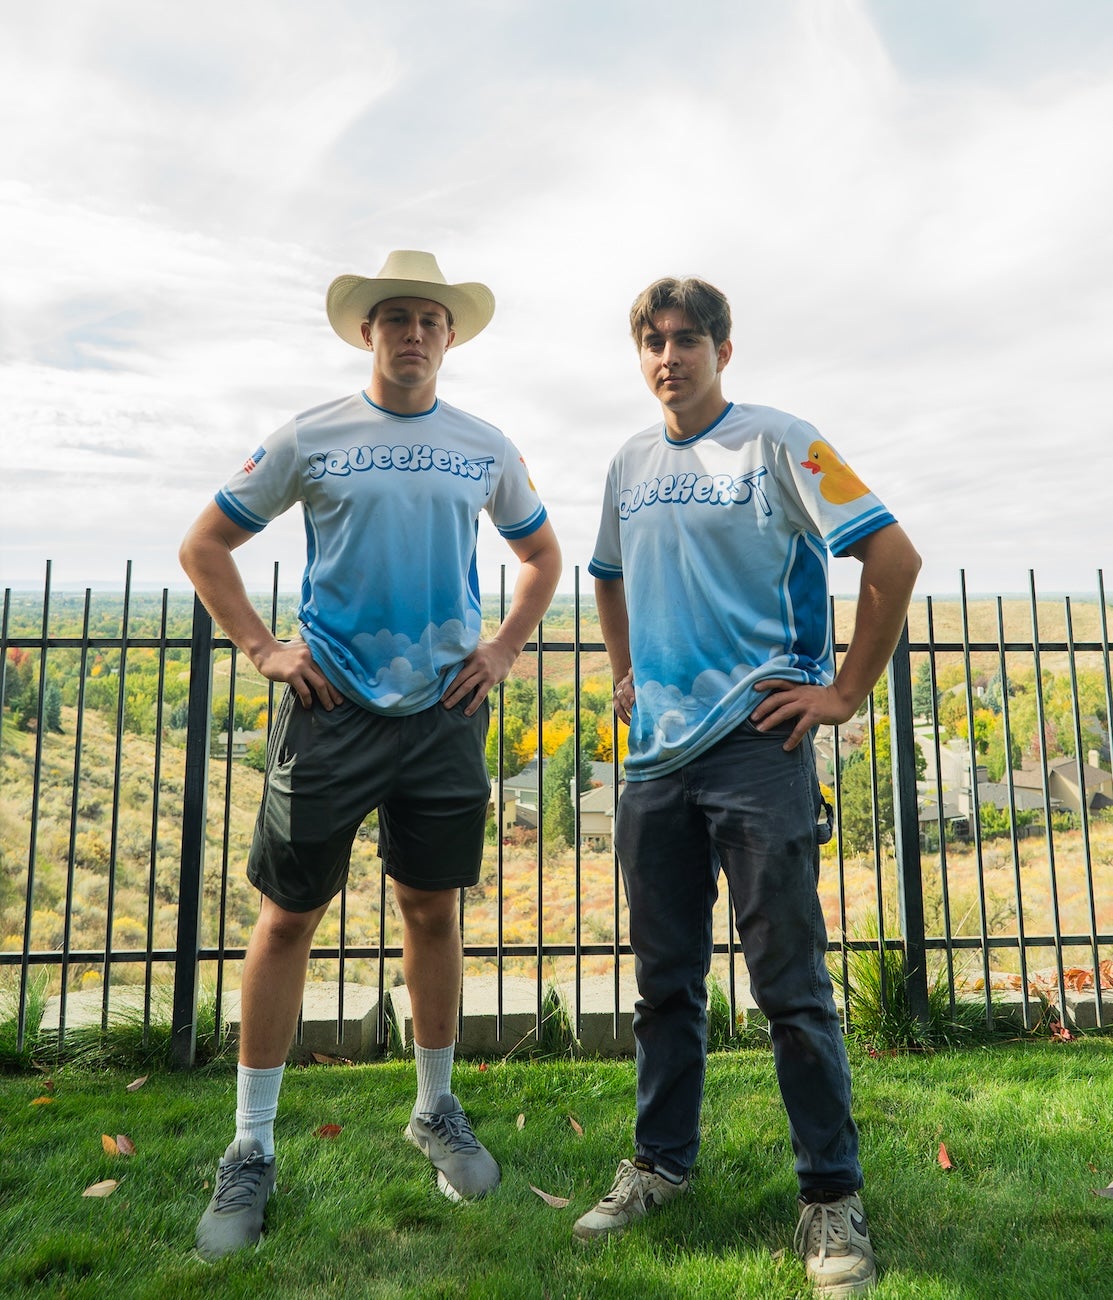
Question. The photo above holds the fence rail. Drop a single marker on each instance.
(128, 795)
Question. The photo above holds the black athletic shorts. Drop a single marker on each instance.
(327, 769)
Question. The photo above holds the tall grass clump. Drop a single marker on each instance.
(15, 1055)
(875, 988)
(133, 1038)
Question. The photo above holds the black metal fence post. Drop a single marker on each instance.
(194, 805)
(906, 829)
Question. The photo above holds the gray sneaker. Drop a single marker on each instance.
(833, 1240)
(466, 1170)
(234, 1217)
(637, 1189)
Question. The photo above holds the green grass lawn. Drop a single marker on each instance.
(1028, 1127)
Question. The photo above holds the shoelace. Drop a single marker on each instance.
(238, 1183)
(623, 1185)
(454, 1131)
(825, 1228)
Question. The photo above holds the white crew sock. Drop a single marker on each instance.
(434, 1075)
(257, 1104)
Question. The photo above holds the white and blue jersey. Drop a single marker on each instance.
(721, 541)
(390, 601)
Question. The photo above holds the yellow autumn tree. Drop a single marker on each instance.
(556, 732)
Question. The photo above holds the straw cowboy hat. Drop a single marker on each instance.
(407, 274)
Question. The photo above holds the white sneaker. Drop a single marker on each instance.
(833, 1240)
(637, 1189)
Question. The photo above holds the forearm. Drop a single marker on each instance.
(614, 623)
(210, 566)
(533, 591)
(889, 569)
(532, 594)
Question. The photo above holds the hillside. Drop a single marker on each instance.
(114, 863)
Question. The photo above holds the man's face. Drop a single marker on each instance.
(682, 367)
(409, 337)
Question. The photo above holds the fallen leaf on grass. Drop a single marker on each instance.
(136, 1084)
(482, 1065)
(557, 1202)
(944, 1158)
(575, 1127)
(521, 1121)
(105, 1188)
(125, 1145)
(322, 1059)
(328, 1131)
(41, 1101)
(1060, 1033)
(109, 1144)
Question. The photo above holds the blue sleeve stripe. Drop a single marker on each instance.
(238, 513)
(842, 539)
(608, 572)
(531, 525)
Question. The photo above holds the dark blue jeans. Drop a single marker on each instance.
(757, 811)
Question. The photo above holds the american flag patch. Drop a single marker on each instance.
(253, 460)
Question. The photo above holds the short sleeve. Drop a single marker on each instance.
(606, 560)
(266, 485)
(514, 506)
(840, 508)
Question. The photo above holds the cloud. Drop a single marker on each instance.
(909, 219)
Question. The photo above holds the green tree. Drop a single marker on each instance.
(995, 755)
(559, 819)
(923, 696)
(996, 824)
(856, 798)
(52, 707)
(856, 804)
(20, 690)
(514, 729)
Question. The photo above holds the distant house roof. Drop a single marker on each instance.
(997, 792)
(929, 812)
(599, 799)
(957, 805)
(523, 781)
(1063, 779)
(523, 784)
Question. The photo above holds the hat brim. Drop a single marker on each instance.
(351, 297)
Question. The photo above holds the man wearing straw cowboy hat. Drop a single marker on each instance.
(386, 693)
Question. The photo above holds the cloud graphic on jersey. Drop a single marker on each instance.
(402, 668)
(675, 713)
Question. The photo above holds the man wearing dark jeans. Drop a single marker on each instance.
(711, 584)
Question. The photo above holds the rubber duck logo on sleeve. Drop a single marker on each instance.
(839, 483)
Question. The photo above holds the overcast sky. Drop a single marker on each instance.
(909, 205)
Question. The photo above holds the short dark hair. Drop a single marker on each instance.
(375, 308)
(704, 305)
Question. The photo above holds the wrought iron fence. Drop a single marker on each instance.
(973, 797)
